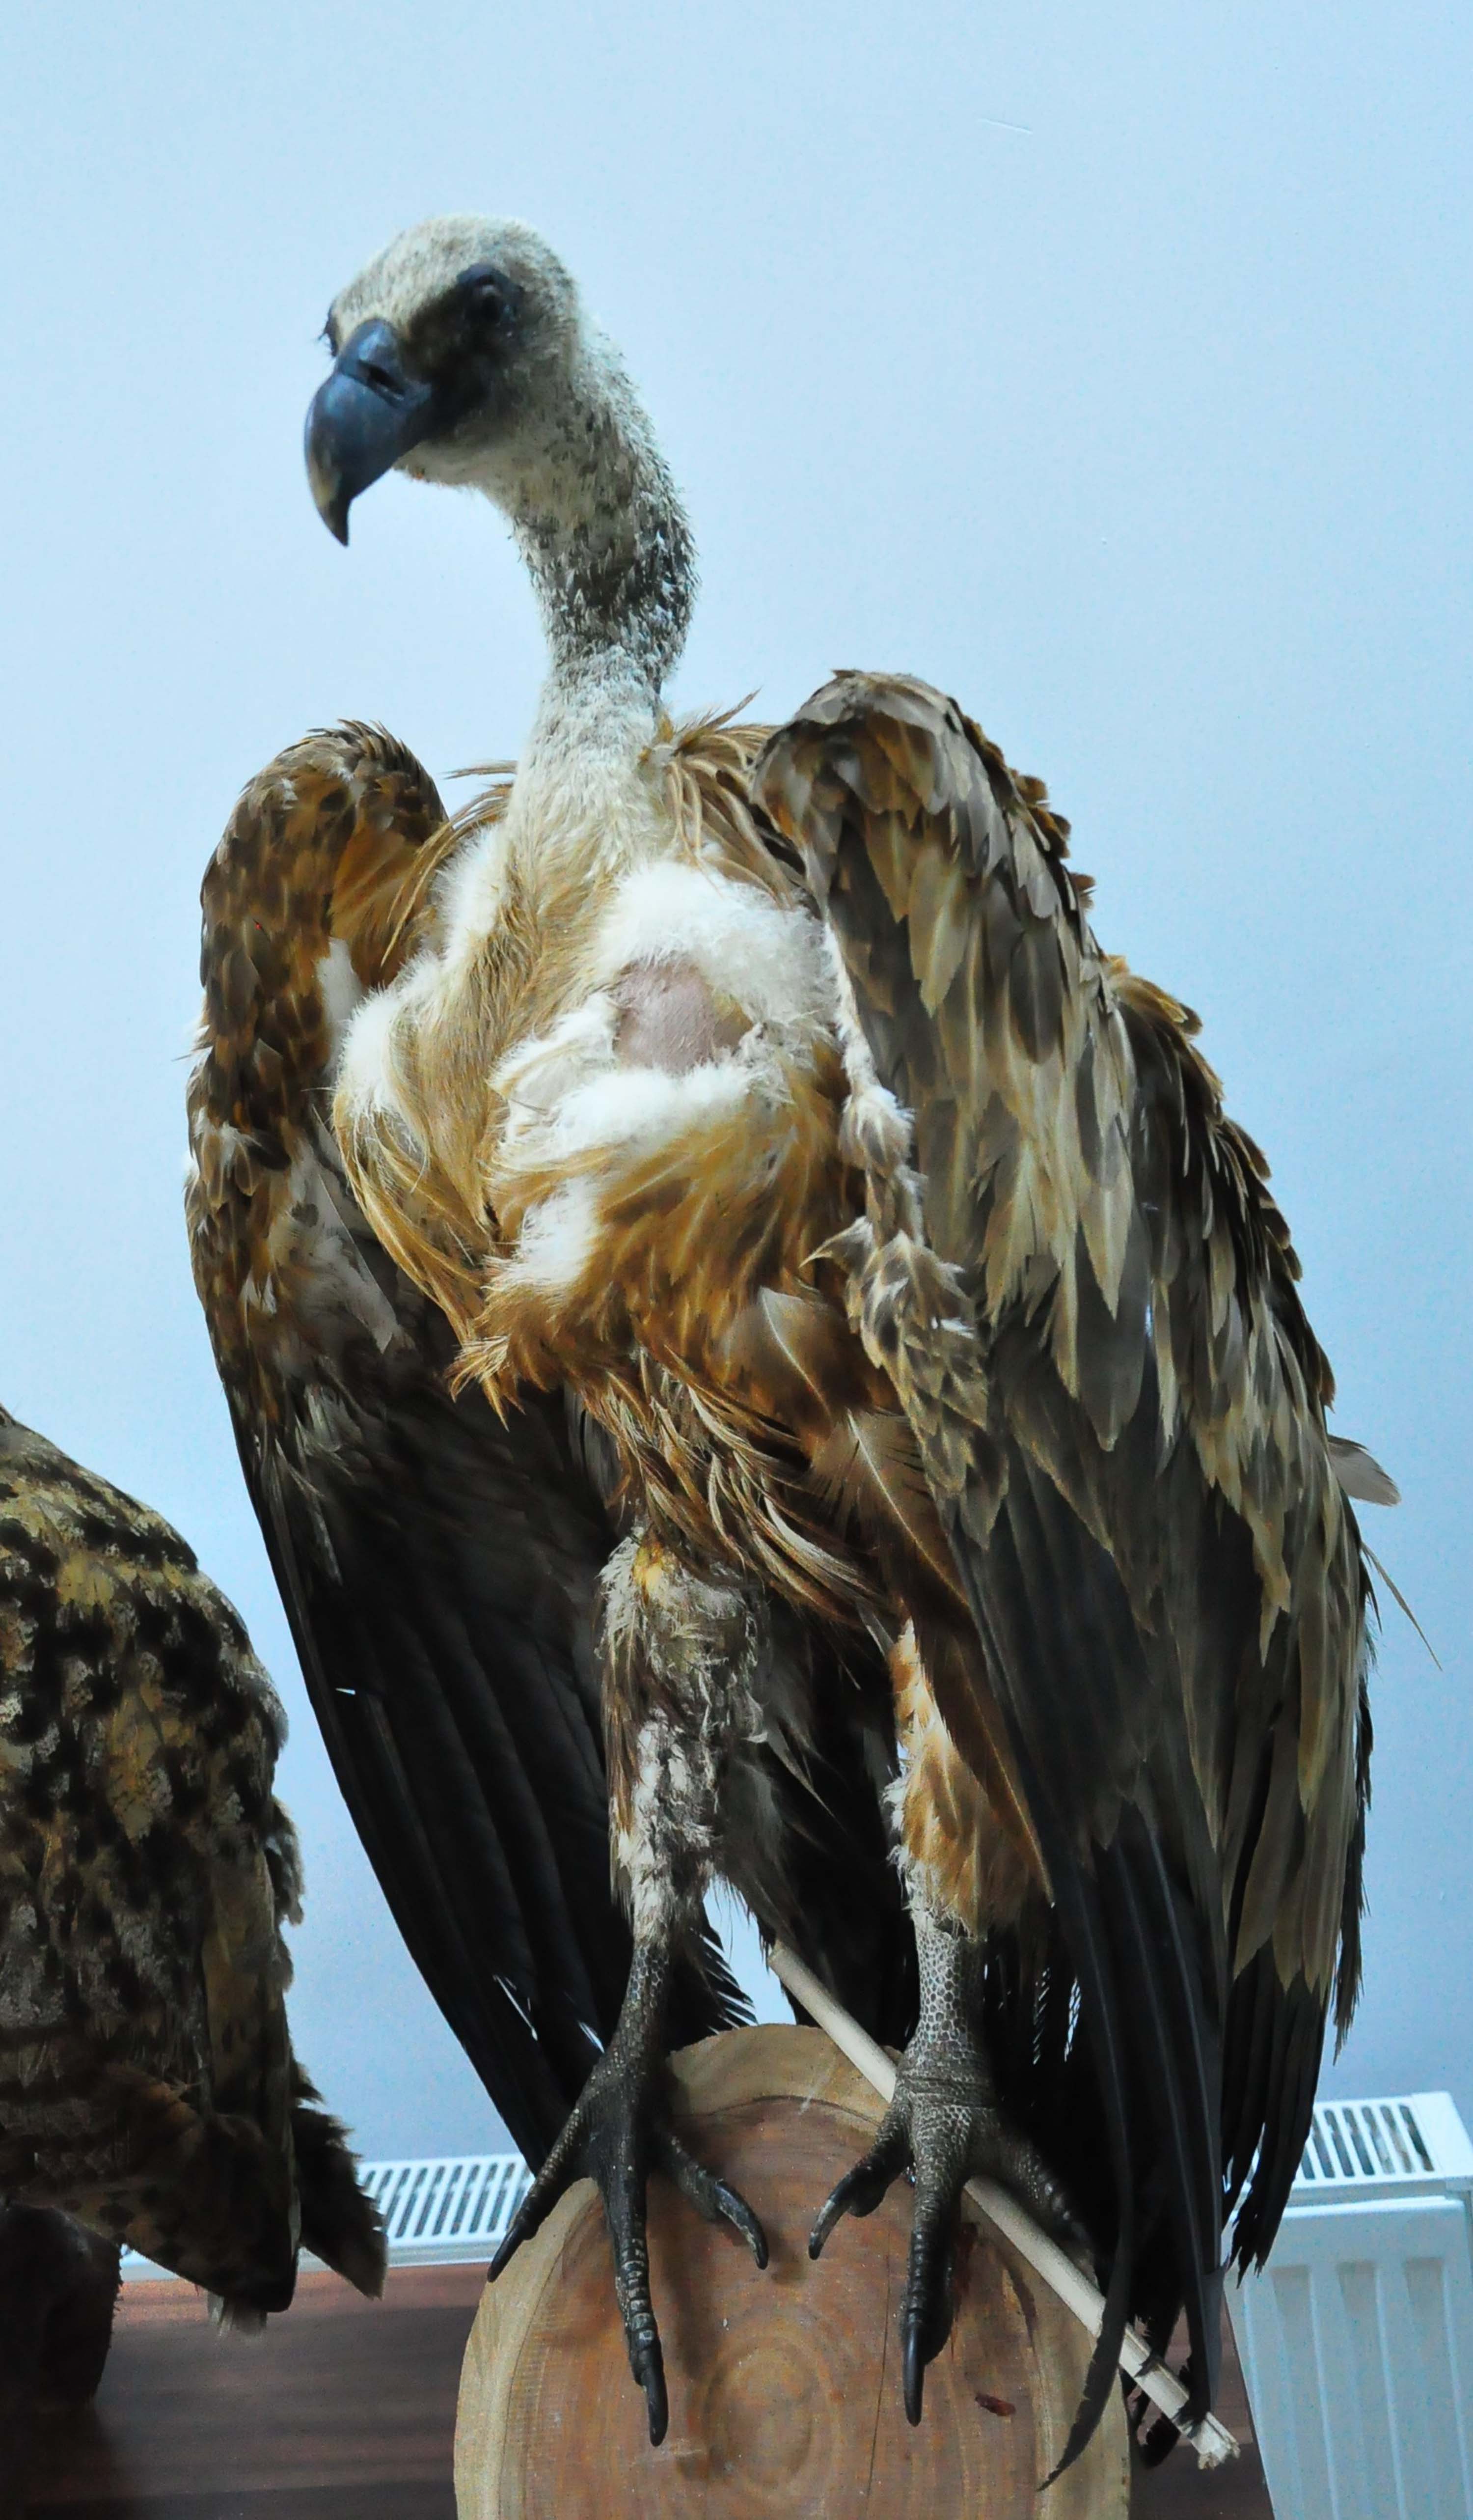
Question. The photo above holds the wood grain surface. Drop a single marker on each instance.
(344, 2409)
(785, 2385)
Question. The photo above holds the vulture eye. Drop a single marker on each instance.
(489, 294)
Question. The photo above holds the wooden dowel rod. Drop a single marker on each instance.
(1211, 2441)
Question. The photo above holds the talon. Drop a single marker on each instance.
(738, 2211)
(926, 2313)
(711, 2197)
(650, 2371)
(519, 2229)
(867, 2185)
(916, 2361)
(831, 2213)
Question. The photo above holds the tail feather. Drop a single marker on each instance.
(339, 2224)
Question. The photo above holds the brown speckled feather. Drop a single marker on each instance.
(1088, 1302)
(147, 2079)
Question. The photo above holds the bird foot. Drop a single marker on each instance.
(618, 2132)
(944, 2127)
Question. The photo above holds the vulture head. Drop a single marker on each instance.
(463, 353)
(454, 352)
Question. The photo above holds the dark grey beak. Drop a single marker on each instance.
(367, 414)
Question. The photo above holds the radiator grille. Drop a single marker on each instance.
(1399, 2148)
(446, 2210)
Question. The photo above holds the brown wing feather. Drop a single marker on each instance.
(1132, 1462)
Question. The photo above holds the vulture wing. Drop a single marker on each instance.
(1087, 1301)
(437, 1566)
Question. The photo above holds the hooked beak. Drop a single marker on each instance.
(362, 419)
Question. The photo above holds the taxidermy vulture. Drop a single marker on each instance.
(886, 1401)
(147, 2079)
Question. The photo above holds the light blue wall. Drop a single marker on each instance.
(1108, 364)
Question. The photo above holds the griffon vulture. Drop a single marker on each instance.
(868, 1319)
(147, 2085)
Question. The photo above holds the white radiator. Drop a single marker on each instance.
(435, 2213)
(442, 2213)
(1357, 2340)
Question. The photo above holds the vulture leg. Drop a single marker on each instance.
(944, 2125)
(963, 1878)
(681, 1659)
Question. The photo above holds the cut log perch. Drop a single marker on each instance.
(1211, 2441)
(784, 2386)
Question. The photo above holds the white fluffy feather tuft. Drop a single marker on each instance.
(366, 1089)
(558, 1239)
(343, 991)
(745, 946)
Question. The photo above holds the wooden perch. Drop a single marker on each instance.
(784, 2386)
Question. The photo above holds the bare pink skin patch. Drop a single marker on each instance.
(670, 1018)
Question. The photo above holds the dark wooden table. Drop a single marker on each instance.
(345, 2410)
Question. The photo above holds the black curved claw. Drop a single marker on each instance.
(618, 2132)
(928, 2130)
(649, 2371)
(713, 2200)
(925, 2317)
(916, 2361)
(863, 2186)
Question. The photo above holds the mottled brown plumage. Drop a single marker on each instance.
(336, 843)
(1110, 1408)
(147, 2080)
(1026, 1369)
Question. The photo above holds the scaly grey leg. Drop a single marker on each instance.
(680, 1660)
(944, 2123)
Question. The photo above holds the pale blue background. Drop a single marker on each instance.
(1107, 364)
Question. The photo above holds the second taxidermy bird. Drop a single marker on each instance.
(147, 2085)
(760, 1104)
